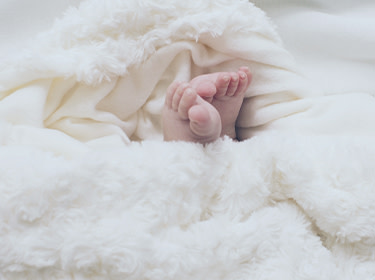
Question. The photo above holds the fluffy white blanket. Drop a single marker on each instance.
(80, 200)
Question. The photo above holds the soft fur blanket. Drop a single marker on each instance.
(81, 199)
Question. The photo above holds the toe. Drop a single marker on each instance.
(170, 93)
(178, 93)
(205, 89)
(205, 121)
(248, 74)
(199, 117)
(233, 85)
(222, 83)
(243, 83)
(188, 100)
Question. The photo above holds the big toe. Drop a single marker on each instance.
(205, 121)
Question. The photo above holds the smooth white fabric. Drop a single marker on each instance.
(332, 41)
(79, 200)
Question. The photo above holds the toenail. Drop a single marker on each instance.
(226, 78)
(242, 75)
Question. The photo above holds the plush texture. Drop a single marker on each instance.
(148, 44)
(80, 199)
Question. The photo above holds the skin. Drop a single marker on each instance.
(206, 108)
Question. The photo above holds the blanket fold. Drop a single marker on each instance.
(80, 199)
(131, 52)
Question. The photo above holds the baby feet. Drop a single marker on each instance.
(206, 108)
(187, 117)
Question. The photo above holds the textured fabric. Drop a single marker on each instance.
(120, 62)
(80, 200)
(22, 20)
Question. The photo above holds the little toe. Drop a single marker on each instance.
(178, 93)
(243, 83)
(188, 100)
(170, 93)
(233, 85)
(248, 74)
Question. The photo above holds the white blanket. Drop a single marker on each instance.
(80, 200)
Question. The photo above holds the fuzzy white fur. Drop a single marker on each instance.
(80, 200)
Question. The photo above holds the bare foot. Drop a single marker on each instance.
(206, 108)
(188, 117)
(225, 91)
